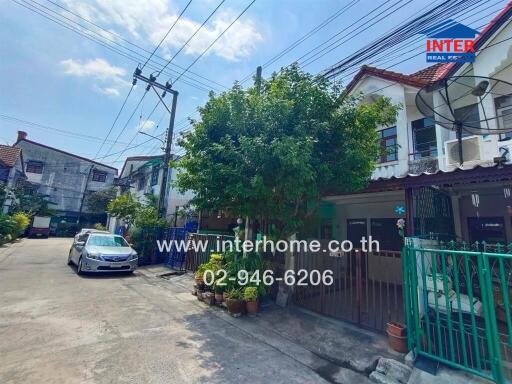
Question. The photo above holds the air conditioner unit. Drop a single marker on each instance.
(472, 147)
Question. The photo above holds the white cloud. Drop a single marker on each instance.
(110, 91)
(97, 68)
(151, 19)
(146, 125)
(109, 78)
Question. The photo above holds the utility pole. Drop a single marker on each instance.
(167, 88)
(83, 195)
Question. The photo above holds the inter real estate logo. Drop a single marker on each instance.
(450, 42)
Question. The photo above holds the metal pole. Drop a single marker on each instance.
(83, 195)
(167, 157)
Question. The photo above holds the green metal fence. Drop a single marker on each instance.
(457, 303)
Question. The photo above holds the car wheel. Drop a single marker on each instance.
(79, 267)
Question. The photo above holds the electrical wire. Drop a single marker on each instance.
(127, 122)
(196, 83)
(214, 41)
(191, 37)
(119, 37)
(299, 41)
(167, 34)
(115, 120)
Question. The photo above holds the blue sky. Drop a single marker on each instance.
(54, 77)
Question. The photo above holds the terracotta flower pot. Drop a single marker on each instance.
(219, 297)
(252, 307)
(396, 329)
(234, 306)
(397, 337)
(224, 295)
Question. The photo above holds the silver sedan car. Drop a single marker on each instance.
(102, 252)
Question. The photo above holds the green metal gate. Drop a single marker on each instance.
(457, 304)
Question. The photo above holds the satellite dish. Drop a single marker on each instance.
(467, 104)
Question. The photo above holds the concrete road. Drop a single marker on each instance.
(57, 327)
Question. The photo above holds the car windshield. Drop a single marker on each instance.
(107, 241)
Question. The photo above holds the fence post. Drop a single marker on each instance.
(408, 323)
(494, 339)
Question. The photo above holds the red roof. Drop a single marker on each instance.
(437, 71)
(430, 74)
(9, 155)
(417, 79)
(489, 31)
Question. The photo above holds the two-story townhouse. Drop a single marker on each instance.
(142, 176)
(66, 179)
(419, 178)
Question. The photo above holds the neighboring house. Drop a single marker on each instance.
(418, 178)
(66, 179)
(11, 165)
(142, 176)
(11, 170)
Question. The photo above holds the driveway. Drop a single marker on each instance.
(57, 327)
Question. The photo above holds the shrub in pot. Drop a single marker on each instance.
(234, 301)
(251, 300)
(199, 274)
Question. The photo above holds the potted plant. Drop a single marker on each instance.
(200, 273)
(201, 288)
(209, 298)
(251, 300)
(397, 336)
(234, 301)
(219, 292)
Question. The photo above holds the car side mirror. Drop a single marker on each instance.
(80, 243)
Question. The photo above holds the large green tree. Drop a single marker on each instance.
(273, 153)
(98, 201)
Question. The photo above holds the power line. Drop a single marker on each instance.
(401, 52)
(214, 41)
(303, 38)
(128, 121)
(167, 34)
(191, 37)
(115, 120)
(131, 43)
(398, 34)
(172, 58)
(133, 138)
(109, 45)
(80, 136)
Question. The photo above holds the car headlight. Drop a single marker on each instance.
(133, 255)
(94, 255)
